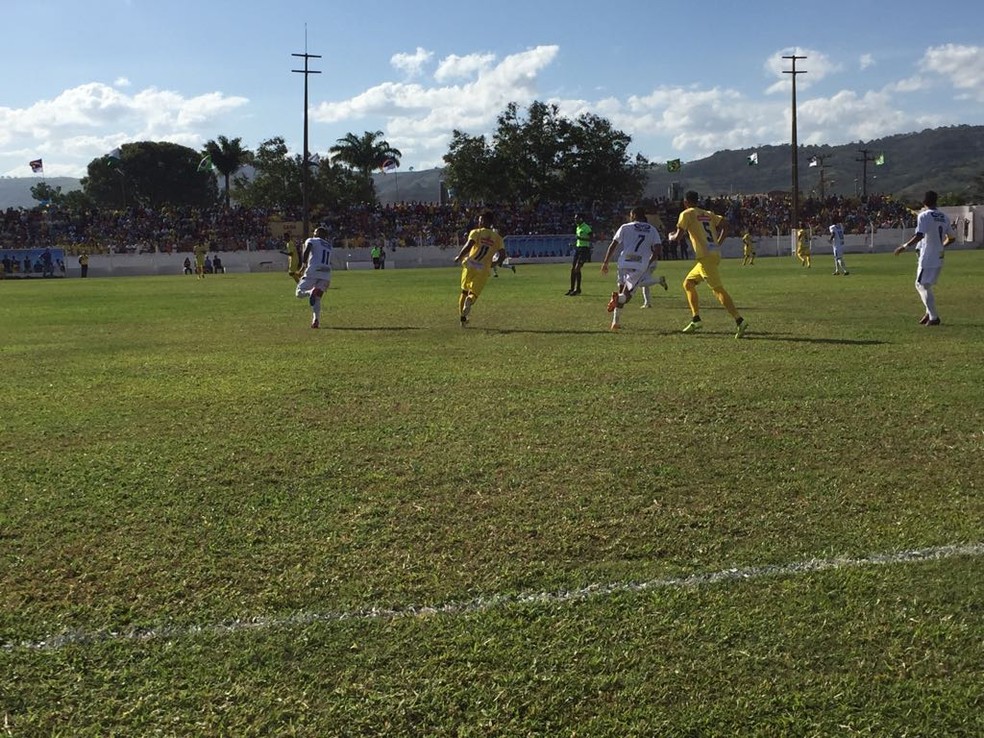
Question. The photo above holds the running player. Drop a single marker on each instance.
(475, 257)
(316, 277)
(706, 231)
(640, 242)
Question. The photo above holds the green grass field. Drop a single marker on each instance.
(216, 521)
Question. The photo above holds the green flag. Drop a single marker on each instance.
(206, 163)
(879, 160)
(673, 165)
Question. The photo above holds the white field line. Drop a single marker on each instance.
(480, 604)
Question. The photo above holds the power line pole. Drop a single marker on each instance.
(795, 214)
(305, 159)
(864, 170)
(820, 163)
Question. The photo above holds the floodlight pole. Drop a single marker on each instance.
(795, 153)
(305, 158)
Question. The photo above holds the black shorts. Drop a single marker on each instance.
(582, 255)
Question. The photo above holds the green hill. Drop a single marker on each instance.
(943, 159)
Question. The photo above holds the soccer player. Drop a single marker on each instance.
(837, 240)
(933, 235)
(475, 257)
(201, 251)
(640, 242)
(748, 249)
(316, 275)
(293, 258)
(803, 247)
(706, 231)
(582, 253)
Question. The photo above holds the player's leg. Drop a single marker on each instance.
(694, 277)
(924, 286)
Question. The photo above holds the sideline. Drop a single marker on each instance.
(481, 604)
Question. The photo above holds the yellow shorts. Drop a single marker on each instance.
(706, 270)
(473, 280)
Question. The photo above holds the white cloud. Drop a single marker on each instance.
(411, 64)
(816, 66)
(867, 60)
(462, 67)
(415, 113)
(87, 121)
(961, 66)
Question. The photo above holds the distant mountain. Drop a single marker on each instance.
(943, 159)
(15, 192)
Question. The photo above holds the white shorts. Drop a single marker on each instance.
(310, 282)
(633, 278)
(927, 276)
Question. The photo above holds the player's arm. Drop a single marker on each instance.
(916, 238)
(307, 253)
(948, 239)
(464, 250)
(722, 231)
(608, 255)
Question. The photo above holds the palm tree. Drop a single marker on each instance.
(364, 153)
(227, 157)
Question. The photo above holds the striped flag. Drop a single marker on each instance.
(37, 166)
(389, 165)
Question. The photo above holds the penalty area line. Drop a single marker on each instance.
(480, 604)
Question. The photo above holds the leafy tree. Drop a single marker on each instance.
(364, 153)
(471, 167)
(544, 157)
(45, 194)
(277, 184)
(151, 174)
(277, 180)
(228, 157)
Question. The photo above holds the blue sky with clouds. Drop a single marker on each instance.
(684, 80)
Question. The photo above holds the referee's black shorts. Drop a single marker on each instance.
(582, 255)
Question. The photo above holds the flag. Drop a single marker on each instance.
(673, 165)
(879, 160)
(314, 160)
(753, 159)
(37, 166)
(814, 161)
(205, 164)
(389, 165)
(115, 154)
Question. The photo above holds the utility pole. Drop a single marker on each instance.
(795, 214)
(305, 159)
(820, 163)
(864, 170)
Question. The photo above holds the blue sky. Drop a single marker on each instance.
(81, 77)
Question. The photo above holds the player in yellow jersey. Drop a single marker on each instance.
(748, 249)
(201, 251)
(483, 245)
(293, 257)
(803, 247)
(706, 231)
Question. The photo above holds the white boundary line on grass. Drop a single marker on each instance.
(480, 604)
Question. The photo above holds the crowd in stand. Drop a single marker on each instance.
(180, 229)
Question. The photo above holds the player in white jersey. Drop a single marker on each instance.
(640, 241)
(316, 262)
(933, 235)
(837, 241)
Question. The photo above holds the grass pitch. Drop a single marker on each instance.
(217, 521)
